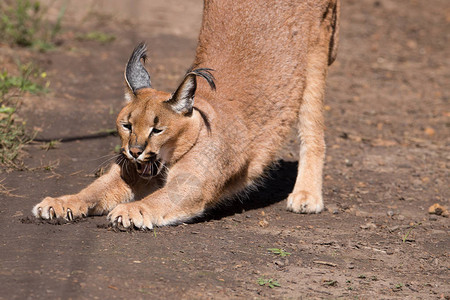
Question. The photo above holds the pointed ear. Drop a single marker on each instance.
(136, 76)
(182, 101)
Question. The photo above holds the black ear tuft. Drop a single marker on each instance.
(182, 101)
(136, 75)
(207, 75)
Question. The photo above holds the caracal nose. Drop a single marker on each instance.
(135, 151)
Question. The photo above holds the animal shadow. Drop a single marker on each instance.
(275, 187)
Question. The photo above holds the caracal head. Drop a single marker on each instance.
(154, 124)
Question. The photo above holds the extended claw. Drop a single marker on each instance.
(119, 224)
(51, 213)
(69, 214)
(117, 221)
(40, 212)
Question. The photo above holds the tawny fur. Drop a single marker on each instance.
(270, 60)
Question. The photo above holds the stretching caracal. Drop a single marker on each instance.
(259, 70)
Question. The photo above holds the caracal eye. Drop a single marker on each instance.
(156, 131)
(127, 126)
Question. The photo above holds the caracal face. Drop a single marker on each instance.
(147, 127)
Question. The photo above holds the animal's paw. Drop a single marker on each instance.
(67, 207)
(305, 202)
(133, 214)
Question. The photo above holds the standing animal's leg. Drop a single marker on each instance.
(307, 194)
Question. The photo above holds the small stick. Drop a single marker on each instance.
(326, 263)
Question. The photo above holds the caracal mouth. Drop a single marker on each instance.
(149, 168)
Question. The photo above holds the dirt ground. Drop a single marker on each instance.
(387, 116)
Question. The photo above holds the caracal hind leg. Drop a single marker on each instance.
(307, 194)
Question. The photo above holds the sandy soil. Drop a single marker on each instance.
(387, 117)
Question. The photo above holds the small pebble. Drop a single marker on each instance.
(432, 218)
(263, 223)
(393, 228)
(279, 263)
(369, 225)
(390, 213)
(417, 182)
(333, 209)
(438, 209)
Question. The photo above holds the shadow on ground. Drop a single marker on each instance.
(273, 188)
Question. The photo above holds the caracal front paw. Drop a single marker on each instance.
(67, 207)
(135, 214)
(305, 202)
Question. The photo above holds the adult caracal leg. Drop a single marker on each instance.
(98, 198)
(307, 194)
